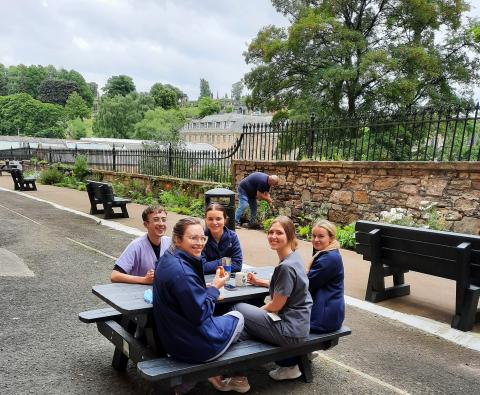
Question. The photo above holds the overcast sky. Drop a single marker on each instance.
(167, 41)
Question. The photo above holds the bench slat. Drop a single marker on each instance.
(90, 316)
(239, 355)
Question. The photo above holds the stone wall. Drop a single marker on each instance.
(348, 191)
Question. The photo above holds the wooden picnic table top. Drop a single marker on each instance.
(128, 298)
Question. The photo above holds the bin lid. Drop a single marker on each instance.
(220, 192)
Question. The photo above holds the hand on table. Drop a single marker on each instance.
(148, 278)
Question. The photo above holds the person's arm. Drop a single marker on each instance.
(276, 304)
(119, 277)
(265, 196)
(198, 302)
(259, 282)
(209, 266)
(323, 270)
(236, 254)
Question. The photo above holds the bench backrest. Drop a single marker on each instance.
(17, 175)
(101, 191)
(422, 250)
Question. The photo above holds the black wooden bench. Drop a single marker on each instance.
(394, 250)
(239, 357)
(21, 183)
(102, 193)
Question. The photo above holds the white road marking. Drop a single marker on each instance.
(364, 375)
(91, 248)
(21, 215)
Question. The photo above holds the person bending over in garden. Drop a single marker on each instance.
(137, 263)
(254, 186)
(285, 319)
(222, 242)
(183, 306)
(325, 274)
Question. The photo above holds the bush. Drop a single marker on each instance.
(267, 223)
(80, 168)
(51, 176)
(346, 236)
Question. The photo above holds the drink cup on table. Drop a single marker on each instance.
(227, 264)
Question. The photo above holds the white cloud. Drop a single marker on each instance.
(168, 41)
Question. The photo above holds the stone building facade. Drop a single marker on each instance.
(348, 191)
(219, 130)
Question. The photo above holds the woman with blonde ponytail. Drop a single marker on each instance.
(325, 273)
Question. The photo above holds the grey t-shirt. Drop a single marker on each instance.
(289, 279)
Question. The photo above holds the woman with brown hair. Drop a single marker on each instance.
(285, 319)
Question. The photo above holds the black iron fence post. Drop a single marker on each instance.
(170, 159)
(311, 133)
(50, 155)
(114, 158)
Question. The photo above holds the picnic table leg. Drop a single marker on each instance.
(306, 368)
(120, 360)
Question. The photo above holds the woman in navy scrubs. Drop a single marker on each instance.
(222, 242)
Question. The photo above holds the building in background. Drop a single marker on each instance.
(219, 130)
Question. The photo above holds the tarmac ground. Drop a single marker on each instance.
(56, 256)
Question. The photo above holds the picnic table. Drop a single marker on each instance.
(131, 318)
(129, 324)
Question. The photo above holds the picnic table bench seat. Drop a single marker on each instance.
(98, 315)
(102, 193)
(393, 250)
(21, 183)
(238, 357)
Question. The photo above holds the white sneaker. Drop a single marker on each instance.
(312, 355)
(285, 373)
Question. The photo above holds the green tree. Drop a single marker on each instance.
(346, 57)
(117, 116)
(77, 129)
(205, 89)
(76, 107)
(3, 80)
(237, 89)
(160, 125)
(83, 88)
(56, 91)
(25, 79)
(208, 106)
(180, 94)
(93, 88)
(22, 113)
(119, 85)
(164, 96)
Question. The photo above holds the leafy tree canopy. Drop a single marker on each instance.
(117, 115)
(56, 91)
(76, 107)
(237, 89)
(22, 113)
(343, 57)
(208, 106)
(205, 89)
(119, 85)
(160, 125)
(164, 96)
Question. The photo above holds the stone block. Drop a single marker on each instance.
(360, 197)
(384, 183)
(470, 225)
(434, 186)
(341, 197)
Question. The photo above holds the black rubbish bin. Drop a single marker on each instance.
(227, 198)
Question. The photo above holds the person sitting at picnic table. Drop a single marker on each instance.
(137, 263)
(285, 319)
(325, 274)
(222, 242)
(254, 186)
(183, 305)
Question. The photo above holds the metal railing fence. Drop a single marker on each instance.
(426, 135)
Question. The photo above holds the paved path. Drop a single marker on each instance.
(430, 297)
(45, 349)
